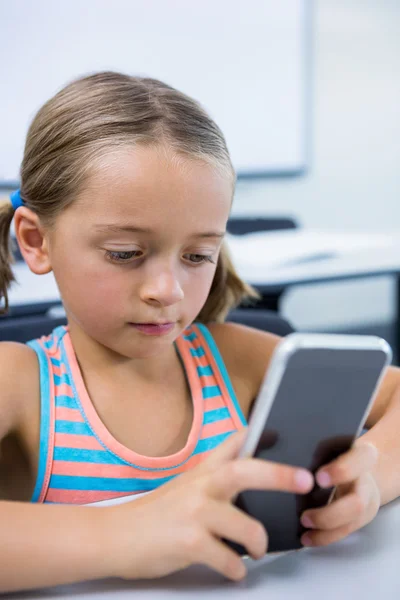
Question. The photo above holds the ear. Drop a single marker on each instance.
(32, 240)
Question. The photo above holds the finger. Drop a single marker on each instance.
(228, 450)
(256, 474)
(363, 489)
(325, 537)
(348, 466)
(212, 552)
(227, 521)
(337, 514)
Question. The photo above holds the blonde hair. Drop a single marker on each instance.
(104, 111)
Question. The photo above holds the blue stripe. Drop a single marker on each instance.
(210, 391)
(58, 380)
(55, 362)
(190, 337)
(59, 332)
(72, 427)
(211, 416)
(105, 484)
(45, 399)
(66, 402)
(211, 443)
(222, 368)
(197, 352)
(202, 371)
(86, 456)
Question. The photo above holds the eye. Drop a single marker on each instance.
(199, 258)
(122, 256)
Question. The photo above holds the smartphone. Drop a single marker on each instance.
(312, 405)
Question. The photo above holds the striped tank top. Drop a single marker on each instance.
(80, 462)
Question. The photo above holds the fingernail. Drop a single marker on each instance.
(306, 540)
(306, 521)
(323, 479)
(304, 479)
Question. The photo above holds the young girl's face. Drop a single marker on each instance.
(139, 248)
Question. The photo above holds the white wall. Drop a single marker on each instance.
(354, 180)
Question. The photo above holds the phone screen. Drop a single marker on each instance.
(316, 414)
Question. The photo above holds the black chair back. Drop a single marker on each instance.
(266, 320)
(243, 225)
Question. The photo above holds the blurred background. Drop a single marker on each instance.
(353, 180)
(306, 92)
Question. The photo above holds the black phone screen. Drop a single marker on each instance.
(315, 416)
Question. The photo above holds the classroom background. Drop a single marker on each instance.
(349, 180)
(353, 183)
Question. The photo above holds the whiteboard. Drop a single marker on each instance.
(246, 62)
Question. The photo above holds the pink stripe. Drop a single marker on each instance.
(202, 361)
(206, 380)
(214, 403)
(72, 440)
(217, 428)
(69, 414)
(57, 353)
(81, 469)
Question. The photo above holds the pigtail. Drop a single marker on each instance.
(227, 291)
(6, 274)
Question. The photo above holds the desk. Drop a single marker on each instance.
(364, 565)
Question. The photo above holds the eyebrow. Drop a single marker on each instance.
(133, 229)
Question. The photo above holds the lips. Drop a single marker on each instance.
(153, 328)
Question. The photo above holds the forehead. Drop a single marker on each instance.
(154, 185)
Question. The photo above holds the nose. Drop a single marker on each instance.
(162, 287)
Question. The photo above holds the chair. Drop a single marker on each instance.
(244, 225)
(23, 329)
(267, 320)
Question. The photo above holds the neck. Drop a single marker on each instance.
(95, 357)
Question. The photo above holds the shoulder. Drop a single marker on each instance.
(246, 352)
(19, 378)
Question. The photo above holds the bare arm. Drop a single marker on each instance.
(384, 433)
(48, 545)
(40, 545)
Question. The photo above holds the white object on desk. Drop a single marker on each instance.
(364, 565)
(294, 247)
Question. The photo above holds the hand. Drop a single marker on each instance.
(356, 500)
(182, 522)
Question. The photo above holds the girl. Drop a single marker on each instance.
(126, 188)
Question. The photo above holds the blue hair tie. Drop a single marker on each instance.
(16, 199)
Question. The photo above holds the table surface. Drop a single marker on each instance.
(255, 262)
(364, 565)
